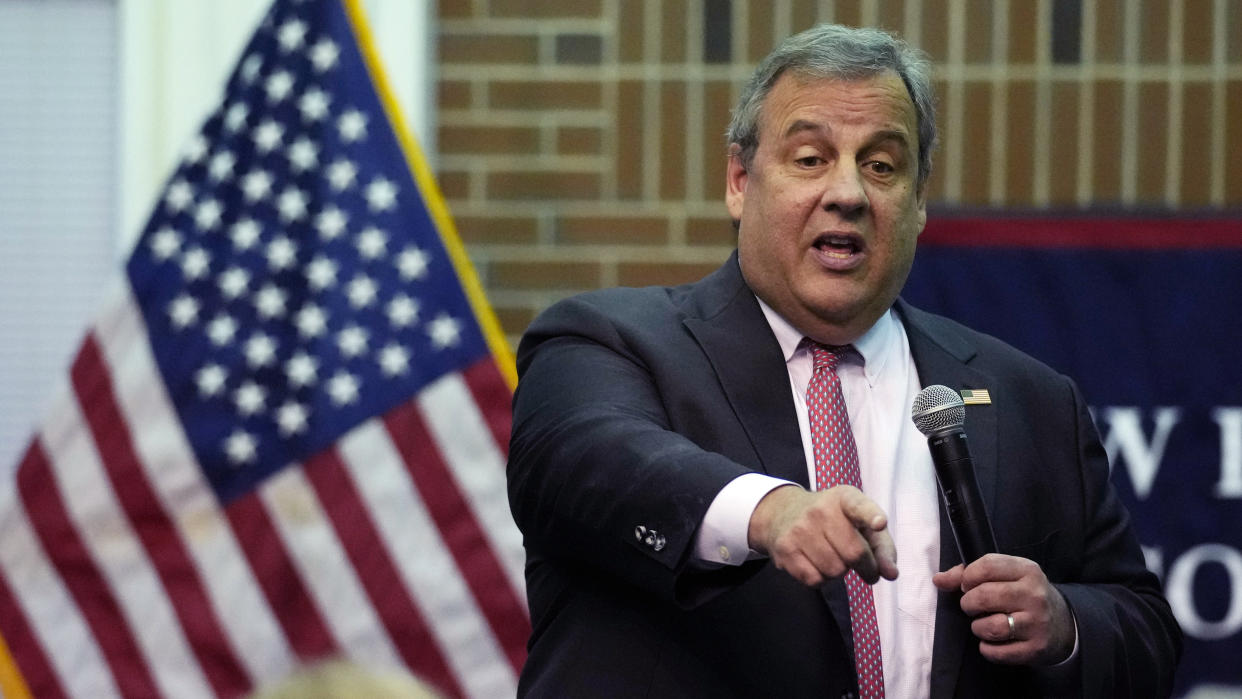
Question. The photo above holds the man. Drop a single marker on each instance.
(700, 517)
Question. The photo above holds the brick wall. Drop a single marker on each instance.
(580, 141)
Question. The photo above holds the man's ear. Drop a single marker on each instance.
(735, 182)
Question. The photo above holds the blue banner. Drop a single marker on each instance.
(1145, 316)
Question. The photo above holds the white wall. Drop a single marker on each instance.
(58, 84)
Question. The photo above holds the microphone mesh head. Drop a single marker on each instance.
(937, 408)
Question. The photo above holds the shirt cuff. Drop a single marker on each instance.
(722, 537)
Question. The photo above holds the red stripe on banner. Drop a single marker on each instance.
(505, 613)
(177, 572)
(493, 397)
(65, 550)
(27, 651)
(1084, 232)
(379, 575)
(279, 579)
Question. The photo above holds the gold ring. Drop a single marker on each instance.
(1013, 631)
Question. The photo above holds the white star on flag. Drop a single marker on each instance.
(412, 263)
(343, 388)
(381, 194)
(324, 55)
(314, 104)
(240, 447)
(210, 380)
(245, 233)
(445, 331)
(352, 126)
(165, 243)
(341, 174)
(268, 135)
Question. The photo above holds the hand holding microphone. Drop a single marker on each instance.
(1029, 623)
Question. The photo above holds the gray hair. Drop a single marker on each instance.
(831, 51)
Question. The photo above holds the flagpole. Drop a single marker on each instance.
(12, 685)
(432, 198)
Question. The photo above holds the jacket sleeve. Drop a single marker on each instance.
(597, 475)
(1129, 641)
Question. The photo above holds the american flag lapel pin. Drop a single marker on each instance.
(977, 396)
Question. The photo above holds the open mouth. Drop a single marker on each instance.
(838, 246)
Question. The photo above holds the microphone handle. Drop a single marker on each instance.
(956, 474)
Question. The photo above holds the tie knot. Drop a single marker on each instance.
(826, 356)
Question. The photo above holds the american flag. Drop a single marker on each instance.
(283, 438)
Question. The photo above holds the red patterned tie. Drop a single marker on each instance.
(836, 463)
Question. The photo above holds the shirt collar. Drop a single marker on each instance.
(875, 346)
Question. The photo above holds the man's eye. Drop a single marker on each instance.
(809, 160)
(881, 168)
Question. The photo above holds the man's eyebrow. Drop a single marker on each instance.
(802, 125)
(898, 135)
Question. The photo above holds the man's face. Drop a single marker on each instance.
(829, 208)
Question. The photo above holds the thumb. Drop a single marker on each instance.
(950, 579)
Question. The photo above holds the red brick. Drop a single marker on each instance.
(544, 275)
(629, 116)
(545, 94)
(497, 229)
(488, 139)
(586, 140)
(488, 48)
(673, 130)
(630, 31)
(453, 9)
(1106, 142)
(673, 30)
(1020, 149)
(543, 185)
(1153, 31)
(1023, 18)
(1196, 173)
(454, 185)
(662, 273)
(525, 9)
(976, 178)
(453, 94)
(514, 320)
(638, 230)
(1233, 143)
(1153, 132)
(1197, 31)
(1063, 155)
(717, 230)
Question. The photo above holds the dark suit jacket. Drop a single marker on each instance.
(636, 406)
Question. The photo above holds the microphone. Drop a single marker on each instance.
(939, 413)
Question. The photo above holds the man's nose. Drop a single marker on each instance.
(843, 189)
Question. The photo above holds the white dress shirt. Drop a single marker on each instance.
(879, 383)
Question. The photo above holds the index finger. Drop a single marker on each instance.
(993, 567)
(862, 511)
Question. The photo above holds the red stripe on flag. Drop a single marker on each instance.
(177, 572)
(493, 397)
(460, 531)
(65, 550)
(379, 575)
(24, 646)
(279, 579)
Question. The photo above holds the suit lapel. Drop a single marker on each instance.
(748, 362)
(941, 355)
